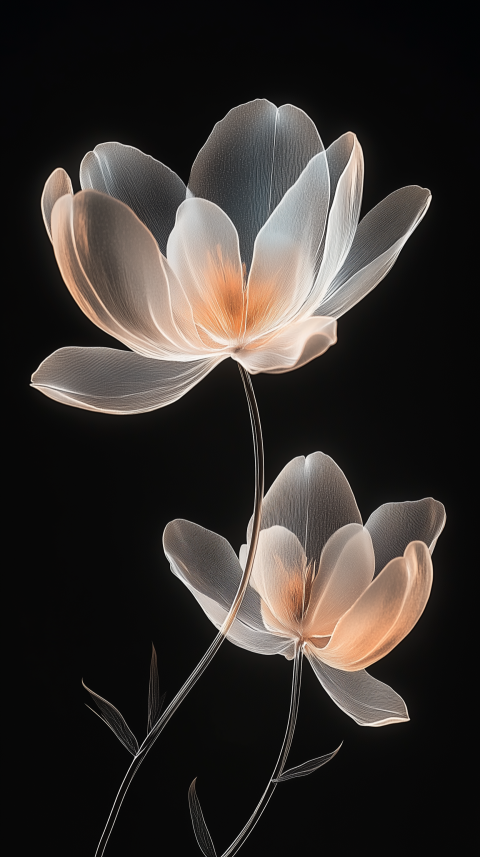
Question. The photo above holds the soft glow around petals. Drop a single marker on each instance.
(292, 347)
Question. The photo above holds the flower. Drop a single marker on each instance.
(255, 260)
(346, 593)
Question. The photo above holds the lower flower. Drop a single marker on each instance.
(344, 592)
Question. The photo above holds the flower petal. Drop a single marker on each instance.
(292, 347)
(249, 162)
(346, 568)
(208, 565)
(344, 212)
(244, 636)
(148, 187)
(385, 613)
(203, 252)
(280, 576)
(287, 251)
(116, 382)
(312, 498)
(113, 268)
(394, 525)
(56, 186)
(368, 701)
(378, 240)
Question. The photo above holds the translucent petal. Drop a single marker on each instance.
(116, 382)
(378, 240)
(203, 252)
(385, 613)
(113, 268)
(344, 212)
(394, 525)
(368, 701)
(292, 347)
(281, 578)
(56, 186)
(312, 498)
(263, 642)
(208, 565)
(249, 162)
(346, 569)
(147, 186)
(287, 248)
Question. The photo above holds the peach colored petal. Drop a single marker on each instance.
(385, 613)
(57, 185)
(346, 568)
(203, 251)
(281, 577)
(113, 268)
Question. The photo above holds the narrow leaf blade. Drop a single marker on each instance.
(202, 834)
(112, 717)
(307, 767)
(155, 700)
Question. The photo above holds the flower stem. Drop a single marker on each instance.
(213, 649)
(281, 761)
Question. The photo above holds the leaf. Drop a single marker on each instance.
(155, 701)
(200, 828)
(307, 767)
(112, 717)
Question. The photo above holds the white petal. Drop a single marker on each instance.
(346, 568)
(287, 251)
(56, 186)
(394, 525)
(261, 642)
(385, 613)
(368, 701)
(116, 382)
(113, 268)
(312, 498)
(208, 565)
(203, 252)
(147, 186)
(378, 240)
(292, 347)
(343, 215)
(249, 162)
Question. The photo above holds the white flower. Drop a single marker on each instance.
(255, 260)
(346, 593)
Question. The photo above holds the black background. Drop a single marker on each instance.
(92, 493)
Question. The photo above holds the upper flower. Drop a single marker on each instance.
(255, 260)
(346, 593)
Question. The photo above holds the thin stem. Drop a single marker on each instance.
(281, 761)
(213, 649)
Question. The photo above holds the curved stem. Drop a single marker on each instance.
(281, 761)
(213, 649)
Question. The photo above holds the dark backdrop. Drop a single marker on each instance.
(93, 493)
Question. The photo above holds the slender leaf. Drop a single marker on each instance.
(307, 767)
(112, 717)
(200, 828)
(155, 701)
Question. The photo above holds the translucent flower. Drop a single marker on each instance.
(347, 594)
(255, 260)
